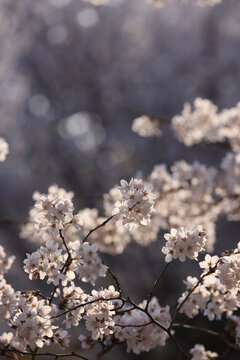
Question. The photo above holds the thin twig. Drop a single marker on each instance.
(178, 308)
(209, 332)
(84, 304)
(115, 278)
(12, 222)
(4, 351)
(167, 330)
(135, 326)
(150, 295)
(97, 227)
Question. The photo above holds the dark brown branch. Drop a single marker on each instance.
(97, 227)
(209, 332)
(12, 222)
(167, 330)
(178, 308)
(150, 295)
(84, 304)
(135, 326)
(115, 278)
(57, 356)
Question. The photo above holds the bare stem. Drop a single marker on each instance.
(97, 227)
(150, 295)
(209, 332)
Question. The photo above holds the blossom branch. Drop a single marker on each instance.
(84, 304)
(167, 330)
(97, 227)
(56, 356)
(178, 308)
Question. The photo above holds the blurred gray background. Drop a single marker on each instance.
(72, 79)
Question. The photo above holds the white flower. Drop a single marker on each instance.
(4, 149)
(136, 206)
(146, 127)
(209, 262)
(184, 243)
(198, 352)
(31, 323)
(87, 263)
(193, 126)
(5, 262)
(146, 337)
(72, 297)
(47, 261)
(62, 338)
(7, 299)
(229, 271)
(99, 314)
(86, 342)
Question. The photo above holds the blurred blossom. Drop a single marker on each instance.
(121, 153)
(117, 2)
(85, 128)
(57, 34)
(117, 153)
(38, 105)
(60, 3)
(87, 17)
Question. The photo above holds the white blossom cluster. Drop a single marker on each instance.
(137, 204)
(99, 314)
(185, 197)
(86, 342)
(31, 323)
(111, 239)
(229, 270)
(214, 296)
(51, 213)
(146, 127)
(147, 336)
(7, 299)
(199, 352)
(184, 243)
(5, 262)
(49, 260)
(70, 298)
(53, 210)
(4, 149)
(86, 261)
(205, 123)
(114, 239)
(7, 294)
